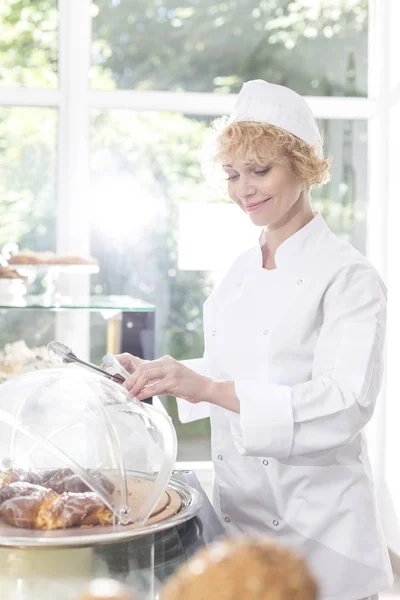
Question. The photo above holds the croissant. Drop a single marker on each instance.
(36, 507)
(18, 488)
(65, 480)
(59, 480)
(12, 475)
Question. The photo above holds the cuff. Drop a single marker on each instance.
(188, 412)
(265, 425)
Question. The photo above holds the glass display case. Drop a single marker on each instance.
(86, 488)
(91, 325)
(143, 563)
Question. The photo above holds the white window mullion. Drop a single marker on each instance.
(195, 103)
(28, 97)
(73, 224)
(73, 172)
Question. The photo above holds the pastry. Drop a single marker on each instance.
(245, 569)
(73, 260)
(18, 488)
(16, 358)
(13, 475)
(6, 273)
(58, 480)
(22, 504)
(31, 258)
(50, 258)
(36, 507)
(65, 480)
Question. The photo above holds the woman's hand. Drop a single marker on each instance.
(129, 362)
(164, 376)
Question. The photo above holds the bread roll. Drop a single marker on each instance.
(242, 569)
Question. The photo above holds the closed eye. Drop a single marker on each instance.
(263, 171)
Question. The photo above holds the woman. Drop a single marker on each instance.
(294, 339)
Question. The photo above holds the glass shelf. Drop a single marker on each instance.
(120, 303)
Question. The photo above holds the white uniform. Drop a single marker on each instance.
(303, 344)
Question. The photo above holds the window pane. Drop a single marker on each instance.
(213, 46)
(27, 177)
(343, 201)
(159, 233)
(28, 43)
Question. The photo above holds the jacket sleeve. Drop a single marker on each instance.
(187, 411)
(332, 407)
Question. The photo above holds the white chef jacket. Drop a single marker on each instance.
(303, 344)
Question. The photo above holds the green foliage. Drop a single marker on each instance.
(27, 176)
(210, 46)
(28, 43)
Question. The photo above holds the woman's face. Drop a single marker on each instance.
(266, 192)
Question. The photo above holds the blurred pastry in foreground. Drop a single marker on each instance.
(245, 569)
(106, 589)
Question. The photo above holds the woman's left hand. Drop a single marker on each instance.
(167, 376)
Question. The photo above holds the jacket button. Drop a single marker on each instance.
(220, 457)
(213, 332)
(266, 331)
(239, 283)
(265, 462)
(227, 519)
(276, 523)
(299, 281)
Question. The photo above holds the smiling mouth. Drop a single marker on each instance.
(251, 207)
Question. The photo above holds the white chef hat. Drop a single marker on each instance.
(276, 105)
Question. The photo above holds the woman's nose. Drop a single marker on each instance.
(245, 190)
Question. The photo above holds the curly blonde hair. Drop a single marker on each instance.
(261, 142)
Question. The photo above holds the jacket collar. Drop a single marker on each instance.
(297, 246)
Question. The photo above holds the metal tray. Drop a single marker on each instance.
(80, 537)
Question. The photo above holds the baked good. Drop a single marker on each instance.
(32, 506)
(65, 480)
(24, 504)
(58, 480)
(50, 258)
(31, 258)
(13, 475)
(6, 273)
(245, 569)
(106, 589)
(70, 259)
(53, 499)
(16, 358)
(18, 488)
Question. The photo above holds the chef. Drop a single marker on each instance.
(294, 338)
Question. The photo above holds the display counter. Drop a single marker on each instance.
(91, 325)
(142, 563)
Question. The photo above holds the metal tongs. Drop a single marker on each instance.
(61, 353)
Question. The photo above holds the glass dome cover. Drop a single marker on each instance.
(69, 418)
